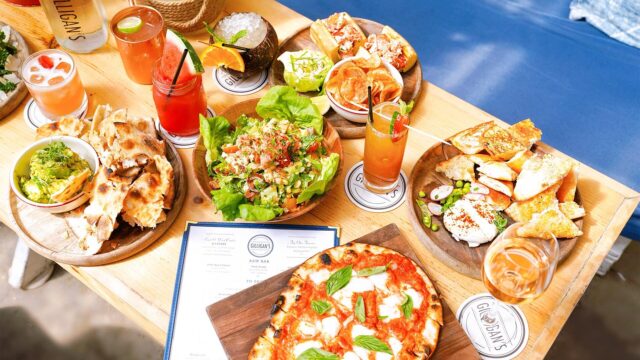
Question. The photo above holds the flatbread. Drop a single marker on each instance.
(67, 126)
(144, 204)
(74, 185)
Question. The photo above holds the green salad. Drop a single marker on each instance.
(305, 70)
(263, 168)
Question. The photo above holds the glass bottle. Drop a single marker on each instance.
(78, 25)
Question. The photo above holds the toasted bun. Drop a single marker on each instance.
(525, 132)
(519, 159)
(323, 39)
(498, 200)
(458, 167)
(567, 191)
(505, 187)
(500, 143)
(572, 210)
(407, 49)
(539, 173)
(552, 221)
(469, 141)
(522, 211)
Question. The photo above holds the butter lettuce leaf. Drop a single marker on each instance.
(283, 102)
(327, 173)
(215, 133)
(227, 201)
(305, 70)
(258, 213)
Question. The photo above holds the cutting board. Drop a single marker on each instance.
(241, 318)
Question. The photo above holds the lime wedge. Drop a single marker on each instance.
(322, 103)
(130, 25)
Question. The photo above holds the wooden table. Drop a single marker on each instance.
(142, 287)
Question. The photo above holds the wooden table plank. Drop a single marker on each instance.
(142, 287)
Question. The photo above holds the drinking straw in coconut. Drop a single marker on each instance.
(175, 77)
(422, 132)
(235, 47)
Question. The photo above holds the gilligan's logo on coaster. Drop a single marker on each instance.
(497, 330)
(361, 197)
(237, 86)
(260, 246)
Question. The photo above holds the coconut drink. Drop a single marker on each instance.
(243, 43)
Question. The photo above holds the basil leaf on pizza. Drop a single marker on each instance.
(320, 306)
(339, 279)
(359, 310)
(372, 343)
(407, 306)
(372, 270)
(317, 354)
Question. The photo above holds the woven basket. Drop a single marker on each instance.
(185, 15)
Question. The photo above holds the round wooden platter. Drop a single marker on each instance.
(347, 129)
(331, 142)
(14, 100)
(456, 254)
(51, 235)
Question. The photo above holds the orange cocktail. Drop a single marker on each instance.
(141, 42)
(383, 149)
(53, 81)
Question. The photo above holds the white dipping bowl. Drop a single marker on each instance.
(359, 116)
(21, 168)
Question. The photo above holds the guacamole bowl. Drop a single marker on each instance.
(21, 168)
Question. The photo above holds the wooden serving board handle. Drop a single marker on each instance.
(240, 318)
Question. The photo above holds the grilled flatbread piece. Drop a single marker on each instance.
(567, 191)
(525, 132)
(538, 174)
(74, 185)
(144, 203)
(469, 141)
(572, 210)
(107, 198)
(498, 170)
(498, 200)
(519, 159)
(505, 187)
(67, 125)
(522, 211)
(500, 144)
(458, 167)
(552, 221)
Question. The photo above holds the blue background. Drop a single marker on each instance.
(525, 59)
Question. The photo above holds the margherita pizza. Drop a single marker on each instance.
(354, 302)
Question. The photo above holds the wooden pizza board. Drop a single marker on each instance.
(456, 254)
(241, 318)
(12, 102)
(51, 235)
(347, 129)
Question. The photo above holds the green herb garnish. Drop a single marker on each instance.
(320, 306)
(234, 39)
(394, 117)
(500, 222)
(372, 270)
(359, 310)
(317, 354)
(372, 343)
(407, 306)
(338, 280)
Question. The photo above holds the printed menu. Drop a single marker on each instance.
(220, 259)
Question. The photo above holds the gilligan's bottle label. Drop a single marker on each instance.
(78, 25)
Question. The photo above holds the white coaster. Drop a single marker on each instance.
(236, 86)
(497, 330)
(361, 197)
(35, 118)
(183, 142)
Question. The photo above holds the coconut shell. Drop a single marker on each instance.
(261, 56)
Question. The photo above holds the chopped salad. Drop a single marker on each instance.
(263, 168)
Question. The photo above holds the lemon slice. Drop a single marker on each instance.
(322, 103)
(130, 25)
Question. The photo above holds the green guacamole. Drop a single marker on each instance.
(49, 171)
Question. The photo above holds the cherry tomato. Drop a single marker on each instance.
(313, 147)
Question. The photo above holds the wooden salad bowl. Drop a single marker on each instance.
(456, 254)
(348, 130)
(331, 142)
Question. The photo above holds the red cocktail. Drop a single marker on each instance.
(179, 106)
(139, 34)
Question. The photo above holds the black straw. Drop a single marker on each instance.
(370, 104)
(175, 77)
(235, 47)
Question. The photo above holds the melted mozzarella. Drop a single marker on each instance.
(304, 346)
(390, 307)
(330, 326)
(380, 281)
(307, 329)
(383, 356)
(395, 344)
(356, 285)
(319, 276)
(361, 352)
(416, 297)
(358, 330)
(350, 356)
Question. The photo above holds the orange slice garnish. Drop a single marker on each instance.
(218, 55)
